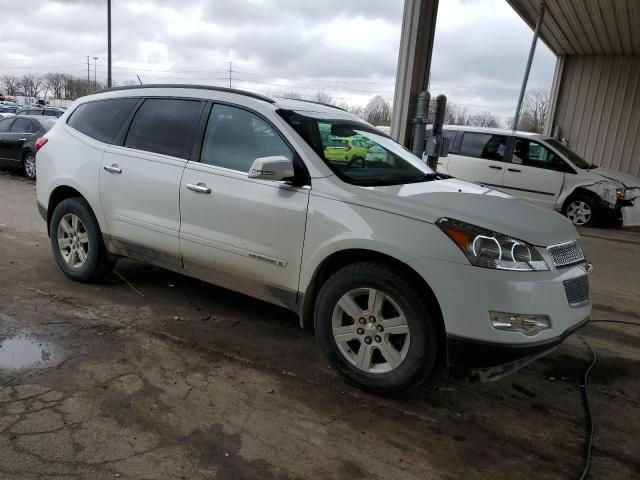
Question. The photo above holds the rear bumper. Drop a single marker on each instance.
(485, 361)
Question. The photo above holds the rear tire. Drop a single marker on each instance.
(392, 345)
(583, 210)
(77, 242)
(29, 165)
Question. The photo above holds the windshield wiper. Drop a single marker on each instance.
(427, 177)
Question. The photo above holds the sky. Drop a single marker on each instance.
(347, 48)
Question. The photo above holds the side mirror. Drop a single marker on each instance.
(273, 168)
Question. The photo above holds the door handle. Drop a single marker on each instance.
(198, 187)
(113, 168)
(495, 167)
(22, 139)
(513, 170)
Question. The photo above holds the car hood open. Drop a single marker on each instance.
(478, 205)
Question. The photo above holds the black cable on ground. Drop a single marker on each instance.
(585, 395)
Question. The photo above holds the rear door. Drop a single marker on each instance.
(480, 158)
(534, 173)
(21, 133)
(5, 126)
(140, 179)
(236, 231)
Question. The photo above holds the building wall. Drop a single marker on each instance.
(598, 109)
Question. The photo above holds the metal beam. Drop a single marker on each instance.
(532, 52)
(554, 96)
(414, 64)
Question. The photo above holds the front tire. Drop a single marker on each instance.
(375, 329)
(77, 243)
(583, 211)
(29, 166)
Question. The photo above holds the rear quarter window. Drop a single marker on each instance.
(102, 119)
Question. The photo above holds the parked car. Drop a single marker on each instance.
(18, 138)
(7, 108)
(542, 170)
(395, 266)
(39, 111)
(6, 115)
(348, 150)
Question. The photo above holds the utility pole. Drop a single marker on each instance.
(95, 74)
(88, 78)
(230, 64)
(108, 43)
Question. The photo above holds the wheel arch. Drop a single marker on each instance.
(341, 258)
(581, 191)
(60, 193)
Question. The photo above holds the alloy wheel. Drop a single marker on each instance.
(73, 240)
(371, 330)
(30, 166)
(579, 212)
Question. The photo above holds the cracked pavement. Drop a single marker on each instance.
(193, 381)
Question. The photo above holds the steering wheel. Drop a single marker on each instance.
(353, 161)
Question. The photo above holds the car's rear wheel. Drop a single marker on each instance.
(374, 328)
(29, 165)
(77, 242)
(582, 210)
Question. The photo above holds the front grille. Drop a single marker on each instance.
(577, 290)
(566, 254)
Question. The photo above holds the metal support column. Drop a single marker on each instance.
(532, 52)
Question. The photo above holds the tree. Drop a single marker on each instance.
(484, 119)
(292, 95)
(324, 97)
(11, 84)
(534, 112)
(377, 111)
(55, 83)
(456, 115)
(31, 85)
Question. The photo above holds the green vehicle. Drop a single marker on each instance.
(346, 149)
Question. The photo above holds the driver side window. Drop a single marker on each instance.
(534, 154)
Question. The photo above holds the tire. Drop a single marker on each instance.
(29, 165)
(83, 256)
(413, 354)
(582, 210)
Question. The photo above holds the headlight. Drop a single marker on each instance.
(485, 248)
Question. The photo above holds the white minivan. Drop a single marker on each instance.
(542, 170)
(394, 265)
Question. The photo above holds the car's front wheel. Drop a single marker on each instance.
(29, 165)
(375, 329)
(582, 210)
(77, 242)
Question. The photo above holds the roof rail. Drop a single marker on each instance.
(318, 103)
(186, 85)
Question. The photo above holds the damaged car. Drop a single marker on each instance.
(543, 170)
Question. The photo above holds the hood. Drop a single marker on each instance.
(627, 180)
(478, 205)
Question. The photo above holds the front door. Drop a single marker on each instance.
(140, 181)
(533, 173)
(239, 232)
(481, 159)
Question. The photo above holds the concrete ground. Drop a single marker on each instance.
(192, 381)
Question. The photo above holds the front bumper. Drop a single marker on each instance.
(630, 211)
(466, 294)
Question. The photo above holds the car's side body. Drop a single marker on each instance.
(543, 174)
(281, 241)
(17, 138)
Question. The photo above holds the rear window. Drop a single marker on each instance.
(164, 126)
(483, 145)
(103, 119)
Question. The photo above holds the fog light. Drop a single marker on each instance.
(516, 322)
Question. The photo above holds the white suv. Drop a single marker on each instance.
(396, 266)
(542, 170)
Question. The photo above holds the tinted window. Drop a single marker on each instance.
(235, 138)
(102, 120)
(451, 135)
(483, 145)
(5, 124)
(164, 126)
(51, 113)
(21, 125)
(534, 154)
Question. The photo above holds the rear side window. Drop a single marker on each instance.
(164, 126)
(21, 125)
(103, 119)
(483, 145)
(5, 124)
(51, 113)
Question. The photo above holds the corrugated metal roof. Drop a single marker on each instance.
(586, 27)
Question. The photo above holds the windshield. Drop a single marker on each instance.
(357, 153)
(573, 157)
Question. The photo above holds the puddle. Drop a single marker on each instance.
(22, 351)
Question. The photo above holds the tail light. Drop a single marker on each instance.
(41, 143)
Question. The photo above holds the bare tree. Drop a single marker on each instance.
(324, 97)
(534, 112)
(292, 95)
(31, 84)
(377, 111)
(55, 83)
(483, 119)
(456, 115)
(11, 84)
